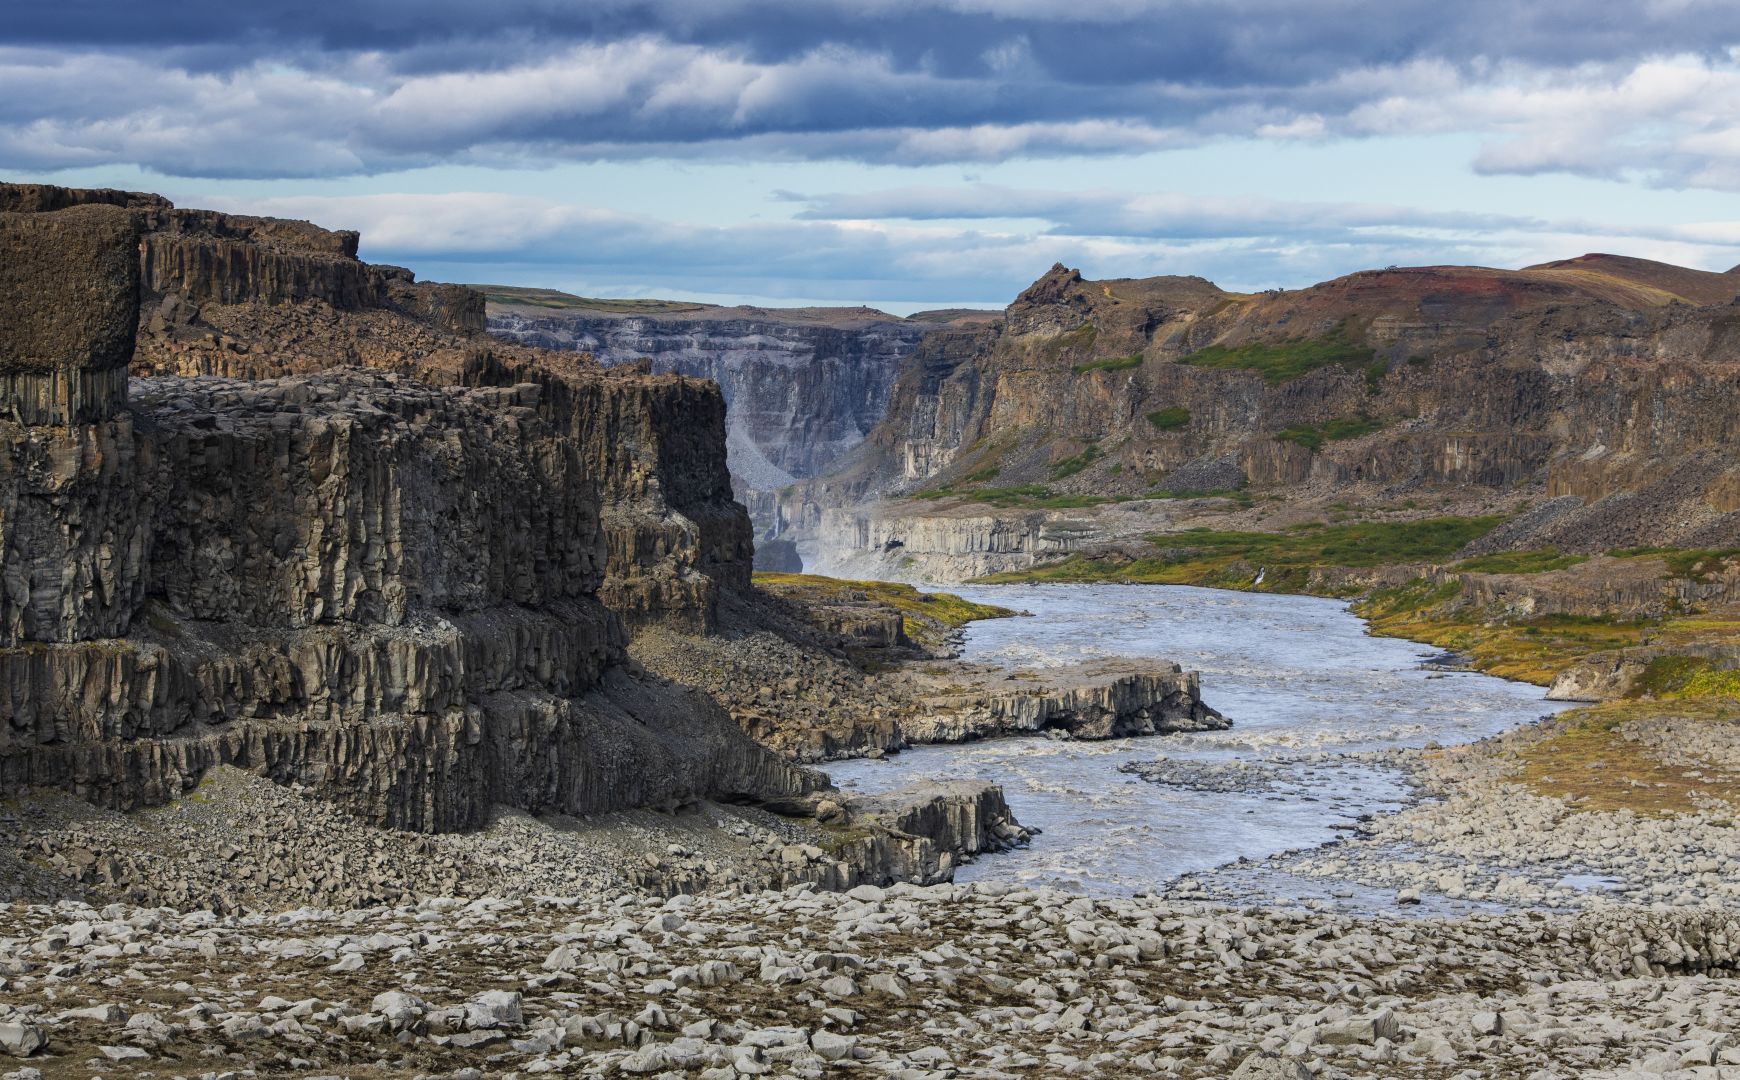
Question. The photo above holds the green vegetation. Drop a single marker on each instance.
(1697, 564)
(1231, 559)
(1079, 340)
(927, 617)
(982, 476)
(1539, 561)
(556, 300)
(1531, 650)
(1109, 363)
(1687, 677)
(1069, 466)
(1170, 419)
(1538, 649)
(1027, 496)
(1312, 437)
(1419, 360)
(1282, 361)
(1238, 495)
(1591, 760)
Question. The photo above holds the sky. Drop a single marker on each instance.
(903, 153)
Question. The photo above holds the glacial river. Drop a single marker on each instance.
(1299, 677)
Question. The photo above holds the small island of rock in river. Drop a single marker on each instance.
(606, 670)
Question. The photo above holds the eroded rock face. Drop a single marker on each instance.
(405, 590)
(372, 586)
(69, 303)
(1603, 383)
(802, 387)
(1090, 701)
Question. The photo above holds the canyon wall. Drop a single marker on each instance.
(345, 540)
(1603, 384)
(802, 386)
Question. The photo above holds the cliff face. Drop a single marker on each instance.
(1609, 382)
(408, 588)
(801, 386)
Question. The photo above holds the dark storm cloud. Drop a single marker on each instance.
(1224, 42)
(269, 88)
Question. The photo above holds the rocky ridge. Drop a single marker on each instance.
(354, 545)
(802, 385)
(1599, 384)
(818, 694)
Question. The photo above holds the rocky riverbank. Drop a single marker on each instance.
(912, 982)
(240, 842)
(1588, 810)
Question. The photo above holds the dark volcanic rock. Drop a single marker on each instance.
(802, 386)
(69, 304)
(407, 591)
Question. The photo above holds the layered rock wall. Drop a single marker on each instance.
(1084, 703)
(801, 388)
(406, 589)
(1600, 380)
(380, 589)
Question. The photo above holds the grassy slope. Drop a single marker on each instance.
(1231, 559)
(1530, 649)
(1591, 759)
(927, 616)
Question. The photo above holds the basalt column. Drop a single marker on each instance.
(69, 309)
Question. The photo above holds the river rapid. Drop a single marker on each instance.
(1314, 702)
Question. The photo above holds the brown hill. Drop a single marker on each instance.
(1605, 382)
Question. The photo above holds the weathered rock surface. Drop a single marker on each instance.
(899, 981)
(1095, 700)
(1600, 384)
(802, 385)
(406, 591)
(358, 582)
(69, 304)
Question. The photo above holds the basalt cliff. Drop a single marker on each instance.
(1599, 391)
(365, 550)
(802, 386)
(268, 511)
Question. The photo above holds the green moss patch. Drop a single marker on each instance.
(1283, 361)
(1069, 466)
(1170, 419)
(1110, 363)
(1539, 561)
(926, 616)
(1313, 436)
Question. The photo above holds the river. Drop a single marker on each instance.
(1303, 683)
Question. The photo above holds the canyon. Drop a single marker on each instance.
(1594, 390)
(318, 597)
(272, 511)
(266, 507)
(802, 386)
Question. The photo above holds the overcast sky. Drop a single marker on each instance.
(903, 153)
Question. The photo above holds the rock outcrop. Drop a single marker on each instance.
(1097, 700)
(69, 304)
(407, 589)
(802, 385)
(1602, 384)
(340, 539)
